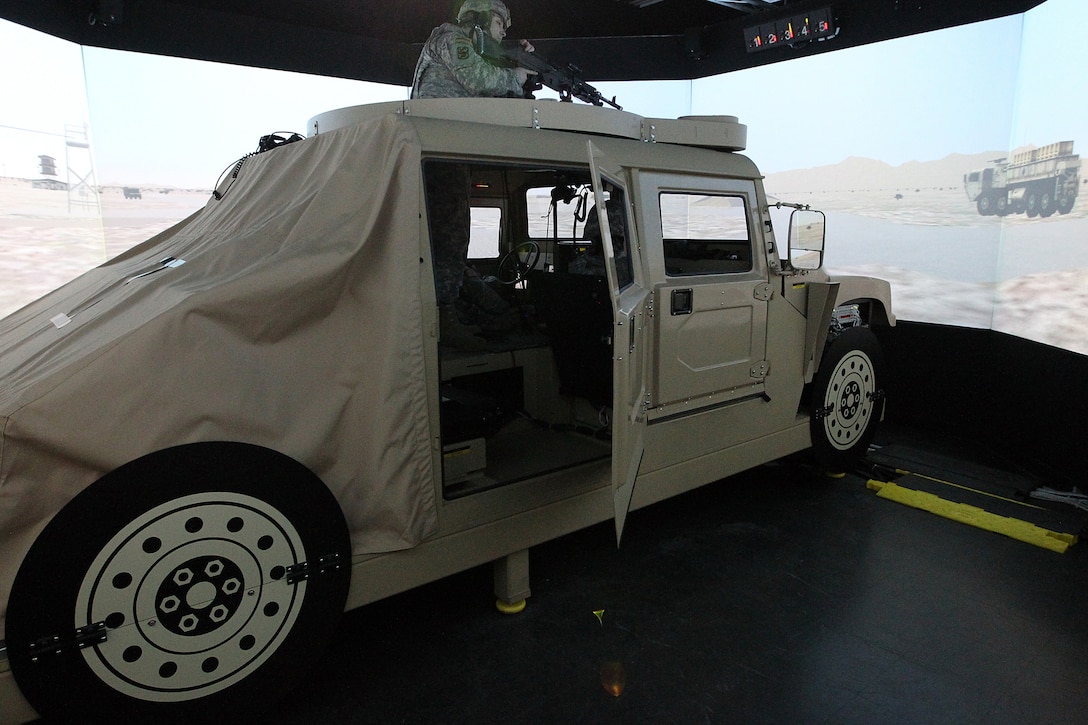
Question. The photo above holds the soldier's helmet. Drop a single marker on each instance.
(485, 6)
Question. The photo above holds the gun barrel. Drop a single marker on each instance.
(567, 81)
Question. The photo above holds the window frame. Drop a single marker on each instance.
(744, 248)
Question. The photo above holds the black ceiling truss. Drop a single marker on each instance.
(380, 41)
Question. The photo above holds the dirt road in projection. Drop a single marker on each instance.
(47, 239)
(946, 263)
(949, 265)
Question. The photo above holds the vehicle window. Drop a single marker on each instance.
(565, 213)
(617, 223)
(562, 220)
(481, 211)
(485, 232)
(705, 234)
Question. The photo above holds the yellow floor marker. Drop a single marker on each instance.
(974, 516)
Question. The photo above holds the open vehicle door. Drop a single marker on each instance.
(629, 300)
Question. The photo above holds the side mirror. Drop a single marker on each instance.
(806, 242)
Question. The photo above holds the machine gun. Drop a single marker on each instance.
(567, 82)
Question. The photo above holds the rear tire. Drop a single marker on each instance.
(847, 400)
(185, 564)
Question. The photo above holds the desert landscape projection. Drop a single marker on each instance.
(45, 241)
(882, 138)
(914, 225)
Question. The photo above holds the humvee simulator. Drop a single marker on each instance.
(218, 441)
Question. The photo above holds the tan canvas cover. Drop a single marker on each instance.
(294, 323)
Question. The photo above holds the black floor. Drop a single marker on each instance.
(777, 596)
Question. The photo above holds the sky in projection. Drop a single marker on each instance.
(984, 88)
(991, 85)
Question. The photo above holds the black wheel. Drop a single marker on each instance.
(1047, 207)
(847, 400)
(985, 205)
(1001, 205)
(1031, 205)
(193, 584)
(1066, 204)
(516, 263)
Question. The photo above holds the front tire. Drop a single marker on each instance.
(193, 584)
(847, 400)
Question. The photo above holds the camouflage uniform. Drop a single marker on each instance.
(591, 261)
(588, 262)
(450, 67)
(447, 189)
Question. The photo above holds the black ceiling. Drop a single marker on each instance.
(379, 41)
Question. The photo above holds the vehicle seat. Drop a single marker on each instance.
(577, 312)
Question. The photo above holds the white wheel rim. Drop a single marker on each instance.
(849, 400)
(194, 596)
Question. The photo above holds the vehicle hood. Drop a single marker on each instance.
(286, 314)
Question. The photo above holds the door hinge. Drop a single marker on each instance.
(763, 291)
(304, 569)
(56, 644)
(760, 370)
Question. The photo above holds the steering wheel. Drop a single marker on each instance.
(515, 264)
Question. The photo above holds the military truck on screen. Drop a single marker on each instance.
(220, 440)
(1037, 182)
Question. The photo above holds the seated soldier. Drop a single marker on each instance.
(591, 260)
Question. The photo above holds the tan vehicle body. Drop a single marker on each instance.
(298, 313)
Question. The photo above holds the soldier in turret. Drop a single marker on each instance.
(450, 66)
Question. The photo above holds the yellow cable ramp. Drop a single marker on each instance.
(973, 515)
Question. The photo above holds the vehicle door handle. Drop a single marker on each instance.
(681, 301)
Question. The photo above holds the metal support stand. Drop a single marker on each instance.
(82, 186)
(512, 581)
